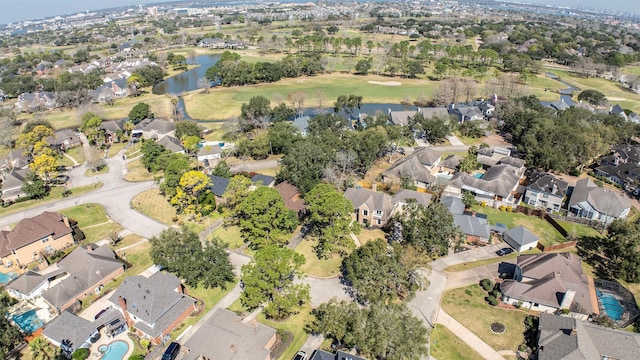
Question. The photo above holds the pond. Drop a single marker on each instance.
(188, 80)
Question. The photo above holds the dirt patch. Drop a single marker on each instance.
(496, 140)
(385, 83)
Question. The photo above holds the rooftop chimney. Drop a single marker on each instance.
(574, 331)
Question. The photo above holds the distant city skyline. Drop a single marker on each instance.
(19, 10)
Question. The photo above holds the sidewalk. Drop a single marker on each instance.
(468, 337)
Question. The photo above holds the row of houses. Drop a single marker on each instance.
(218, 43)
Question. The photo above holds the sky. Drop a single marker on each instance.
(17, 10)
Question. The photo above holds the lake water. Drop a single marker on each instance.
(188, 80)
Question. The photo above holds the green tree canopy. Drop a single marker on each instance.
(593, 97)
(263, 218)
(153, 155)
(329, 219)
(268, 278)
(140, 112)
(176, 166)
(237, 190)
(403, 337)
(181, 253)
(35, 187)
(10, 335)
(377, 273)
(192, 185)
(186, 128)
(304, 163)
(222, 169)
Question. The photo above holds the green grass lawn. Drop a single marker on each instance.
(446, 345)
(548, 234)
(467, 306)
(54, 195)
(137, 172)
(228, 100)
(578, 230)
(295, 325)
(154, 205)
(100, 232)
(230, 235)
(367, 235)
(115, 148)
(77, 153)
(133, 150)
(315, 266)
(87, 214)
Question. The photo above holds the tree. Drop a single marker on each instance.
(429, 228)
(263, 219)
(593, 97)
(10, 335)
(35, 187)
(377, 274)
(282, 136)
(191, 186)
(364, 66)
(80, 354)
(468, 199)
(153, 155)
(176, 166)
(91, 127)
(95, 158)
(269, 277)
(140, 112)
(237, 190)
(255, 113)
(150, 75)
(302, 166)
(41, 349)
(330, 220)
(222, 169)
(347, 103)
(204, 84)
(403, 337)
(470, 162)
(45, 166)
(7, 129)
(181, 252)
(186, 128)
(27, 140)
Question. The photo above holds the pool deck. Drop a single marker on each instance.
(104, 340)
(595, 308)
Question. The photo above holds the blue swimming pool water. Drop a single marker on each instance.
(28, 321)
(5, 278)
(114, 351)
(611, 305)
(478, 175)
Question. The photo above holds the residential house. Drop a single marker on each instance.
(44, 233)
(487, 157)
(302, 124)
(262, 180)
(66, 283)
(466, 112)
(127, 46)
(235, 44)
(218, 187)
(37, 101)
(371, 208)
(592, 202)
(43, 67)
(291, 196)
(64, 139)
(450, 164)
(417, 167)
(154, 129)
(498, 186)
(12, 184)
(520, 238)
(622, 166)
(340, 355)
(172, 144)
(209, 152)
(565, 338)
(550, 282)
(70, 332)
(153, 305)
(214, 43)
(401, 118)
(404, 197)
(559, 105)
(545, 191)
(113, 130)
(618, 110)
(474, 227)
(431, 112)
(234, 339)
(16, 159)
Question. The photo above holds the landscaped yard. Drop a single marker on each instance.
(295, 325)
(154, 205)
(446, 345)
(367, 235)
(115, 148)
(315, 266)
(93, 221)
(467, 305)
(578, 230)
(548, 234)
(137, 172)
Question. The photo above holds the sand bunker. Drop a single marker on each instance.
(386, 83)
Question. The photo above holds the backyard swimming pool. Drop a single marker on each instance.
(611, 305)
(5, 278)
(114, 351)
(28, 321)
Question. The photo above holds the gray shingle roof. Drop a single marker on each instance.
(549, 184)
(500, 180)
(604, 200)
(373, 199)
(412, 168)
(402, 117)
(234, 340)
(264, 180)
(68, 326)
(218, 185)
(473, 226)
(454, 204)
(403, 195)
(172, 144)
(520, 235)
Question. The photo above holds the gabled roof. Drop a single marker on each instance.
(547, 291)
(451, 161)
(209, 150)
(32, 229)
(291, 196)
(499, 180)
(521, 235)
(68, 326)
(234, 340)
(454, 204)
(302, 123)
(549, 184)
(171, 143)
(412, 168)
(264, 180)
(430, 112)
(218, 185)
(30, 281)
(472, 225)
(113, 125)
(604, 200)
(402, 117)
(85, 266)
(154, 300)
(403, 195)
(567, 338)
(14, 181)
(559, 105)
(372, 199)
(428, 156)
(157, 125)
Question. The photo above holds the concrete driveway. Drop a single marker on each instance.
(472, 276)
(480, 253)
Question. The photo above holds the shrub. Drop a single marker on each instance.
(66, 193)
(565, 311)
(144, 344)
(80, 354)
(518, 305)
(509, 208)
(483, 203)
(486, 284)
(492, 300)
(136, 357)
(468, 292)
(502, 208)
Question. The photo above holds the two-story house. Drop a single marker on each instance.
(372, 208)
(417, 168)
(34, 236)
(545, 191)
(592, 202)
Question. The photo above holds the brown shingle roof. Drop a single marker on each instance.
(33, 229)
(291, 196)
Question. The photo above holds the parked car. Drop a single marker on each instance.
(504, 251)
(301, 355)
(172, 351)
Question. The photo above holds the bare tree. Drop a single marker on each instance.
(192, 56)
(297, 100)
(7, 129)
(95, 158)
(345, 160)
(469, 89)
(321, 96)
(204, 84)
